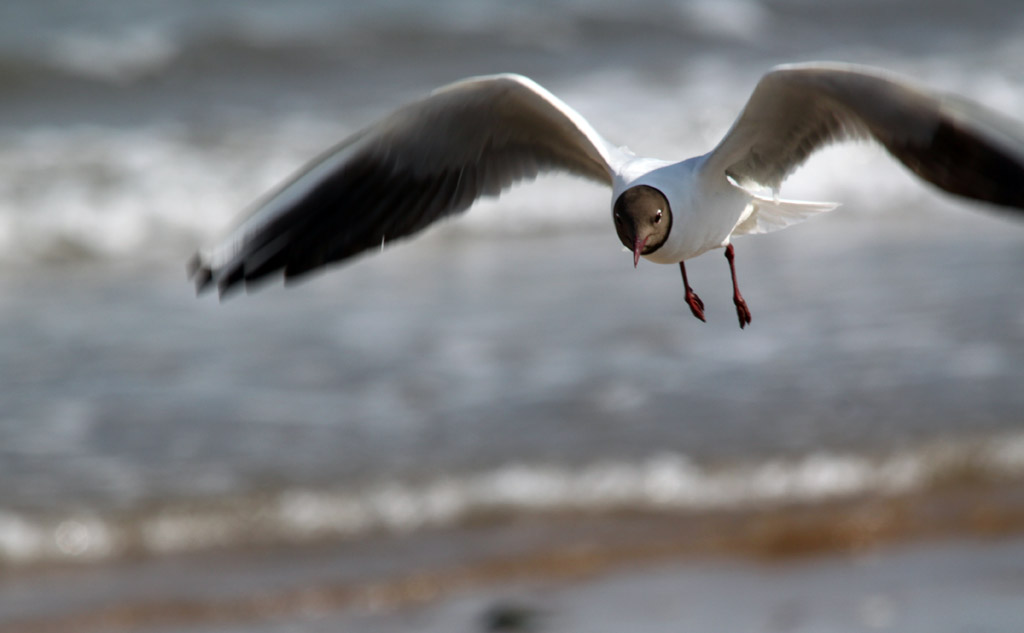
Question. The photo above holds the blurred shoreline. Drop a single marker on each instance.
(392, 574)
(292, 516)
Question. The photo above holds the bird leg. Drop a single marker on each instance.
(692, 300)
(742, 311)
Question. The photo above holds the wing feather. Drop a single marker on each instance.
(956, 145)
(428, 160)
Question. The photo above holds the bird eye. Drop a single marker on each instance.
(657, 217)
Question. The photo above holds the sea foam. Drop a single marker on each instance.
(667, 482)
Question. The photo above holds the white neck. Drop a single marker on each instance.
(703, 212)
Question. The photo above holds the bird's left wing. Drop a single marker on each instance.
(430, 159)
(795, 110)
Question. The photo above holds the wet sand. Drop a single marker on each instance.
(571, 567)
(922, 588)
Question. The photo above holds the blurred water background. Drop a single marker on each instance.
(507, 367)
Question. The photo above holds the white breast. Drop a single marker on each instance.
(703, 214)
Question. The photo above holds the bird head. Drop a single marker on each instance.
(643, 220)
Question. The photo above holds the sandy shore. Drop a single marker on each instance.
(927, 588)
(857, 563)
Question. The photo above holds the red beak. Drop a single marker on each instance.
(638, 247)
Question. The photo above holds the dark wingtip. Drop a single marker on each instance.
(966, 163)
(230, 281)
(199, 273)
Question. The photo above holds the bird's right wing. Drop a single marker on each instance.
(795, 110)
(430, 159)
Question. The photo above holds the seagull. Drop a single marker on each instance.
(476, 137)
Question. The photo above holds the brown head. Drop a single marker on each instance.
(643, 220)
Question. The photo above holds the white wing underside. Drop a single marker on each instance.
(798, 109)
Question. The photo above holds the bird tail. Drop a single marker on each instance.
(770, 213)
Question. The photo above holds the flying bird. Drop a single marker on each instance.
(435, 157)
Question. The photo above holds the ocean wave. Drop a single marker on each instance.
(662, 483)
(112, 194)
(158, 189)
(126, 56)
(115, 43)
(107, 193)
